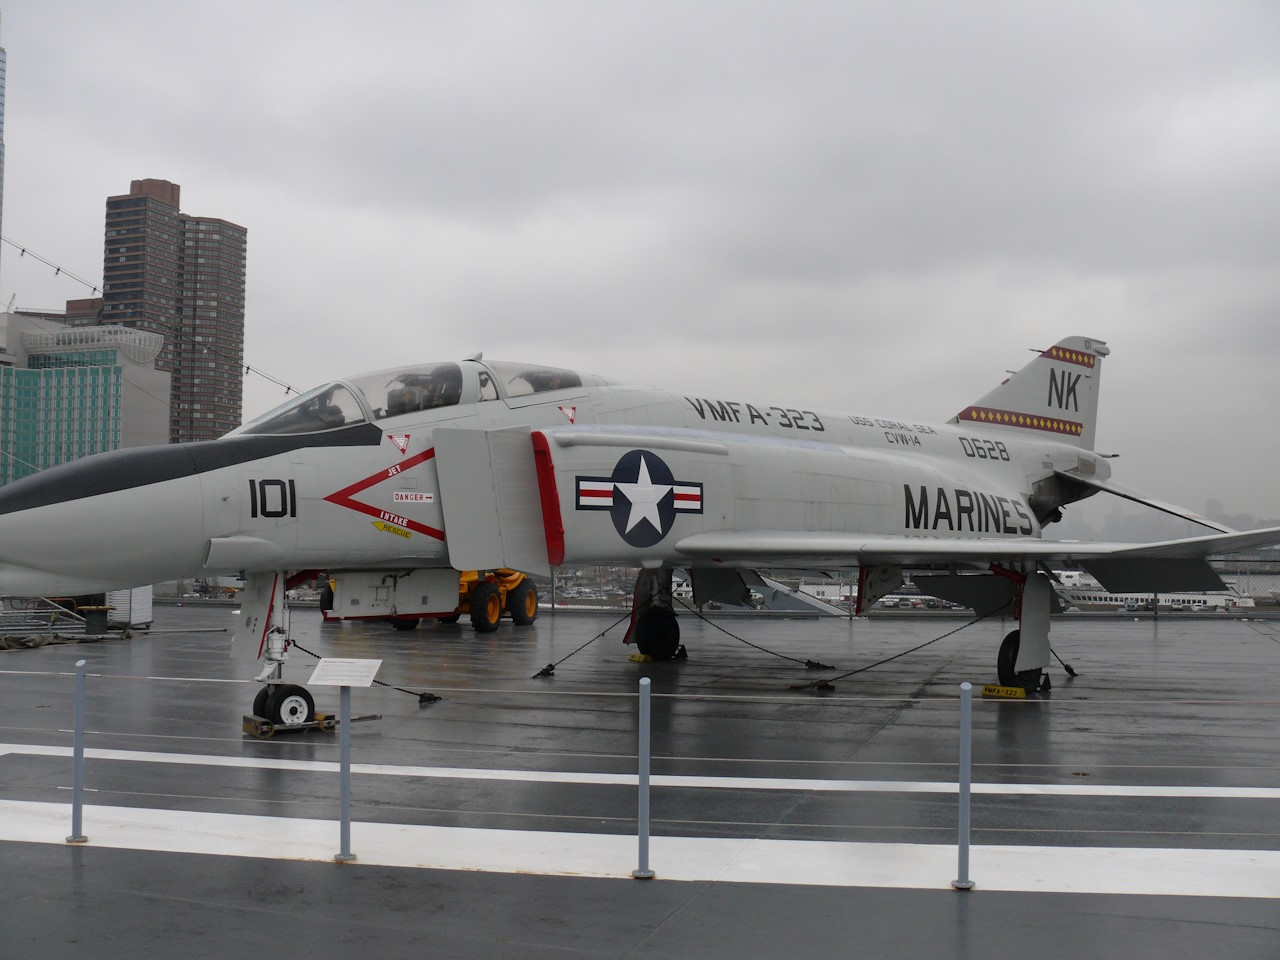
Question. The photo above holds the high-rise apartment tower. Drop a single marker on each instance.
(182, 277)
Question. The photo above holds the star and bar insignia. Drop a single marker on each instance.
(642, 497)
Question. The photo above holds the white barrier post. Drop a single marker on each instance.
(344, 762)
(963, 882)
(77, 763)
(642, 872)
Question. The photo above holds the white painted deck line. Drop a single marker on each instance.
(629, 779)
(1099, 870)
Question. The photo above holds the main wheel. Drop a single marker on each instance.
(326, 598)
(657, 633)
(486, 607)
(290, 704)
(404, 623)
(450, 618)
(1006, 660)
(1007, 657)
(523, 603)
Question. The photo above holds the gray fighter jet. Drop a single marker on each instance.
(393, 482)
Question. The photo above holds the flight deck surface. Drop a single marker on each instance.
(1132, 811)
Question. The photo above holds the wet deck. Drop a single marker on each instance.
(1133, 810)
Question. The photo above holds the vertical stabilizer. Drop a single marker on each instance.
(1055, 394)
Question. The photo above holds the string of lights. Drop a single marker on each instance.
(57, 270)
(168, 325)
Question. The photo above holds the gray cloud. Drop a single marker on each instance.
(874, 206)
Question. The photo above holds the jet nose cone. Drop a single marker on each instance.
(80, 526)
(94, 476)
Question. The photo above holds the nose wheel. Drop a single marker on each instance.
(286, 704)
(290, 704)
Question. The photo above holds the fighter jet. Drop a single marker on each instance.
(394, 481)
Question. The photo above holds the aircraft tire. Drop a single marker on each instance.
(260, 701)
(404, 623)
(657, 633)
(1009, 677)
(450, 618)
(290, 704)
(486, 607)
(326, 598)
(523, 604)
(1006, 659)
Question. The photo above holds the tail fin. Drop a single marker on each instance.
(1056, 393)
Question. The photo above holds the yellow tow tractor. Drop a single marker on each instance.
(500, 593)
(487, 597)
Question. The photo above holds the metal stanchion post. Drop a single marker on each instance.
(642, 871)
(962, 882)
(77, 763)
(344, 730)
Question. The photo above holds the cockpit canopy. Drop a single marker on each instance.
(395, 392)
(386, 393)
(391, 393)
(523, 379)
(324, 408)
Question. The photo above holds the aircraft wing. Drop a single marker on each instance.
(1162, 566)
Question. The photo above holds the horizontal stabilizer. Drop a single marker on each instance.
(1108, 485)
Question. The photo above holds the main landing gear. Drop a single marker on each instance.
(1024, 653)
(654, 628)
(1006, 669)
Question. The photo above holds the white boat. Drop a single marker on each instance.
(1080, 589)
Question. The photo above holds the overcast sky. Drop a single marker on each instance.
(872, 207)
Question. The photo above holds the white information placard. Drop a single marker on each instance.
(344, 672)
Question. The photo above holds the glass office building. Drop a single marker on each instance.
(77, 392)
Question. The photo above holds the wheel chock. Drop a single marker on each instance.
(640, 658)
(325, 722)
(993, 691)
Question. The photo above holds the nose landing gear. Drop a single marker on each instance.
(263, 631)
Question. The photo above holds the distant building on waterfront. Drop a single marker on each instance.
(67, 392)
(183, 278)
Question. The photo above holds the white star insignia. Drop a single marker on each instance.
(644, 495)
